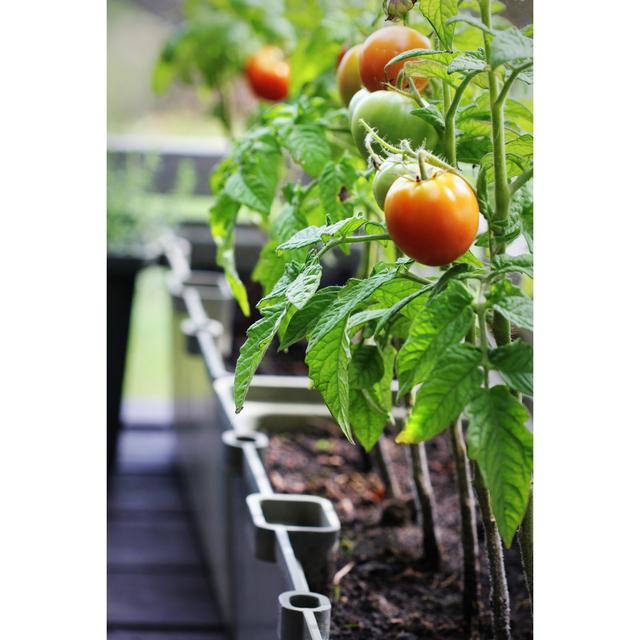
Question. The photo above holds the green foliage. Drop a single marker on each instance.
(444, 394)
(503, 448)
(433, 331)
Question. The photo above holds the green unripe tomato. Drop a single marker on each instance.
(390, 170)
(355, 101)
(389, 113)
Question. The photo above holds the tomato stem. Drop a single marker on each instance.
(351, 240)
(510, 80)
(381, 141)
(423, 166)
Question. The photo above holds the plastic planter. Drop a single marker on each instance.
(270, 555)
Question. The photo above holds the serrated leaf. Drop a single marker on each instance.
(362, 318)
(503, 449)
(259, 337)
(512, 303)
(370, 409)
(348, 299)
(328, 362)
(435, 66)
(366, 367)
(515, 362)
(402, 304)
(305, 285)
(438, 12)
(443, 396)
(413, 53)
(513, 264)
(468, 257)
(278, 293)
(510, 45)
(432, 115)
(443, 321)
(312, 234)
(303, 321)
(308, 147)
(470, 62)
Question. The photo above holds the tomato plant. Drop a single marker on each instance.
(268, 73)
(454, 337)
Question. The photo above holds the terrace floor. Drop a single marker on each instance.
(157, 584)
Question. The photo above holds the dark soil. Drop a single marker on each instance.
(382, 589)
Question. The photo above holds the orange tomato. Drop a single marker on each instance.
(433, 221)
(348, 74)
(383, 45)
(268, 73)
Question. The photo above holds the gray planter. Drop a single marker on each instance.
(268, 553)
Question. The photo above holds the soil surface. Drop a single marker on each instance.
(382, 589)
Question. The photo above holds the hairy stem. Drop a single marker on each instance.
(469, 527)
(450, 127)
(499, 596)
(426, 503)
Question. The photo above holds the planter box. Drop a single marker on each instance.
(268, 553)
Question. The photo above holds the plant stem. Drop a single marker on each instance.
(423, 167)
(352, 239)
(392, 489)
(521, 180)
(510, 80)
(503, 192)
(525, 540)
(426, 503)
(381, 141)
(499, 596)
(450, 127)
(469, 527)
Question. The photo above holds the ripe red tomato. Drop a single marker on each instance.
(268, 73)
(383, 45)
(433, 221)
(348, 74)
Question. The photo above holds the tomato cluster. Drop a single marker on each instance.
(432, 219)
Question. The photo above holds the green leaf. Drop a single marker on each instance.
(513, 264)
(303, 321)
(515, 362)
(434, 66)
(328, 362)
(305, 285)
(468, 257)
(370, 409)
(366, 367)
(444, 394)
(259, 337)
(438, 12)
(279, 291)
(503, 448)
(355, 292)
(469, 62)
(444, 320)
(510, 45)
(308, 147)
(399, 306)
(312, 234)
(513, 304)
(432, 115)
